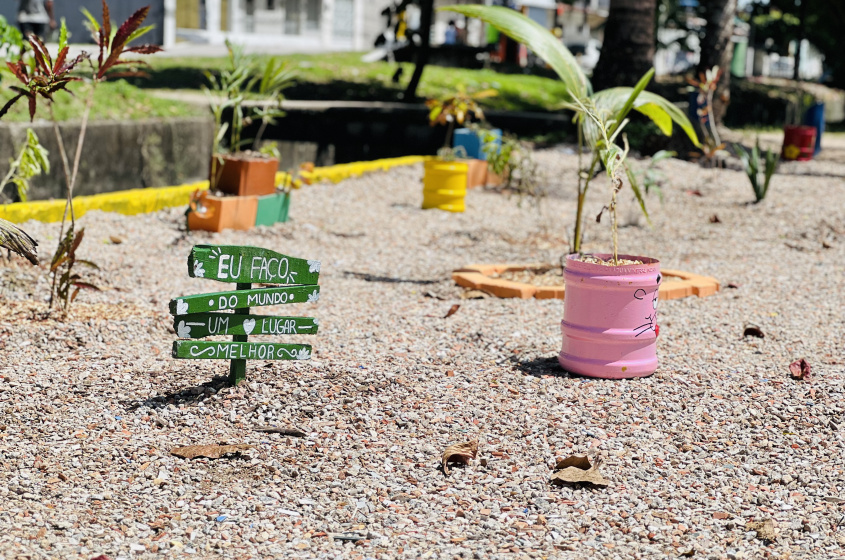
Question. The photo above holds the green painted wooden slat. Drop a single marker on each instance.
(200, 325)
(239, 351)
(257, 297)
(231, 263)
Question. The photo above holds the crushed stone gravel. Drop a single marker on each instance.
(718, 441)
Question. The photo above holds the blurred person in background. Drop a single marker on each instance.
(34, 16)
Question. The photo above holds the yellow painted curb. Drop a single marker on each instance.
(141, 201)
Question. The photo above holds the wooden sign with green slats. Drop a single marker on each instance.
(258, 297)
(209, 350)
(200, 315)
(229, 263)
(200, 325)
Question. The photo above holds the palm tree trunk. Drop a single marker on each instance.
(717, 49)
(627, 51)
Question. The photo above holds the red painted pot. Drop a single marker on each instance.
(799, 142)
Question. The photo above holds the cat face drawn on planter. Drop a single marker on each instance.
(651, 319)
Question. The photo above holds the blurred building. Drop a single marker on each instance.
(296, 25)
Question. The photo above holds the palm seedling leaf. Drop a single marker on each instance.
(537, 38)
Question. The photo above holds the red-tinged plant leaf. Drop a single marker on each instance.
(31, 108)
(144, 49)
(86, 285)
(42, 55)
(452, 311)
(459, 453)
(694, 192)
(753, 331)
(77, 241)
(120, 38)
(106, 24)
(19, 70)
(60, 60)
(72, 64)
(102, 45)
(9, 104)
(123, 62)
(800, 369)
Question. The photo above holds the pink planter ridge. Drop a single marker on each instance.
(610, 318)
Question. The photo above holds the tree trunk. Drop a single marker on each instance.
(426, 16)
(717, 49)
(627, 51)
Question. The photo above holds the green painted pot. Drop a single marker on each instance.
(272, 208)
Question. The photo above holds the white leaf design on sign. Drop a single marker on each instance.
(303, 354)
(249, 325)
(316, 321)
(199, 271)
(183, 330)
(313, 266)
(313, 296)
(181, 307)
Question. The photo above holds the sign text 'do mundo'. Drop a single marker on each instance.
(258, 297)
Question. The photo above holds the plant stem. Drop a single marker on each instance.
(582, 195)
(88, 103)
(66, 169)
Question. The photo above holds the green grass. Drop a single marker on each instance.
(342, 76)
(336, 76)
(112, 101)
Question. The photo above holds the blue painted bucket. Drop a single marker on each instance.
(815, 117)
(473, 142)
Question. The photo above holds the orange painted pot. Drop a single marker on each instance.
(216, 213)
(243, 176)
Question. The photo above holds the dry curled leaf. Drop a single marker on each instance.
(452, 310)
(276, 430)
(116, 239)
(753, 331)
(474, 294)
(460, 453)
(714, 219)
(210, 451)
(578, 468)
(800, 369)
(765, 529)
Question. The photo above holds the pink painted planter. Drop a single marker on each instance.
(610, 318)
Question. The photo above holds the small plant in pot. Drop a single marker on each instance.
(610, 309)
(251, 171)
(447, 178)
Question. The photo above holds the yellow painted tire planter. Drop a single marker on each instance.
(445, 185)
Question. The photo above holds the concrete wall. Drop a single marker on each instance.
(117, 155)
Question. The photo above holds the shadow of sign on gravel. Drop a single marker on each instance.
(188, 395)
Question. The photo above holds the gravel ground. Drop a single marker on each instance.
(719, 437)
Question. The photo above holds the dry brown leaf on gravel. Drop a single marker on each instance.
(210, 451)
(283, 431)
(116, 239)
(765, 529)
(800, 369)
(460, 453)
(753, 331)
(474, 294)
(452, 310)
(578, 468)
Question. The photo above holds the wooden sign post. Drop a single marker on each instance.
(204, 315)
